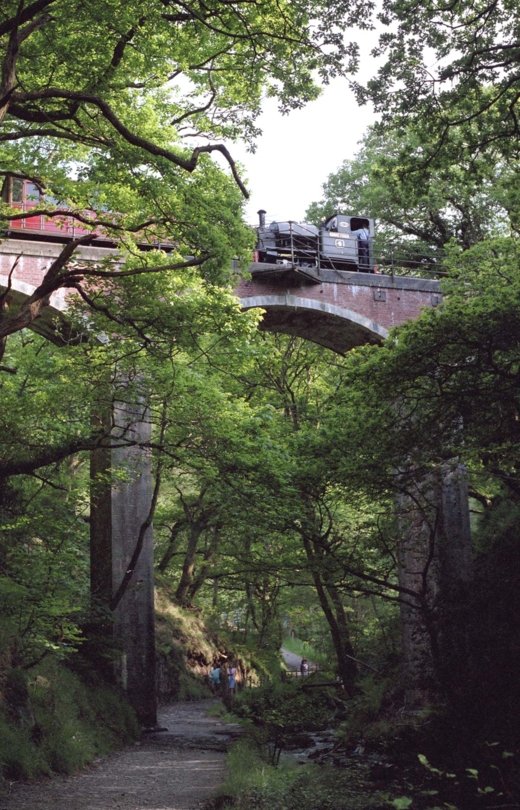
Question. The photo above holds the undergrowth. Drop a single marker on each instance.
(56, 723)
(254, 784)
(287, 708)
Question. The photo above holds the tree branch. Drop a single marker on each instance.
(188, 164)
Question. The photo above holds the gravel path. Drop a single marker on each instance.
(292, 660)
(177, 769)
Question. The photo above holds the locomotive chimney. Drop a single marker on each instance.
(261, 217)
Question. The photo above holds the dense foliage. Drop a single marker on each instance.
(277, 466)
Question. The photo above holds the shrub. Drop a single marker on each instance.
(19, 756)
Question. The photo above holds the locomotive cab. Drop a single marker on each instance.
(346, 243)
(341, 242)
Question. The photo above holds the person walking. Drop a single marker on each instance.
(214, 678)
(232, 678)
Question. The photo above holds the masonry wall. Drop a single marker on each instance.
(382, 299)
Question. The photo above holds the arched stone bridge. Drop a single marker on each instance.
(339, 310)
(336, 309)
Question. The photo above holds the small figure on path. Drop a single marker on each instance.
(304, 668)
(214, 678)
(232, 678)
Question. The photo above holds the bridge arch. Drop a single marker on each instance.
(45, 325)
(335, 327)
(339, 310)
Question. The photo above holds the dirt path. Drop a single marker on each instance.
(177, 769)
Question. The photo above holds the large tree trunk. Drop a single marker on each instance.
(207, 557)
(188, 567)
(173, 544)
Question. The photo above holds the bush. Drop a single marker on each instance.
(364, 711)
(19, 756)
(283, 710)
(253, 784)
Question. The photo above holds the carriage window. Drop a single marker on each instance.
(16, 190)
(32, 192)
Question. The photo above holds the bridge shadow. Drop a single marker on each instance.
(335, 327)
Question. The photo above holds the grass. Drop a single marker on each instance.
(63, 724)
(253, 784)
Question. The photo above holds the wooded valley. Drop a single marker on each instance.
(291, 486)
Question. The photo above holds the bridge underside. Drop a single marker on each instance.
(52, 323)
(334, 327)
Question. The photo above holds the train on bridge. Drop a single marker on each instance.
(342, 242)
(27, 198)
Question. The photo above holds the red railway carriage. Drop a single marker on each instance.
(25, 196)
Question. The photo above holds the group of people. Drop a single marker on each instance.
(223, 678)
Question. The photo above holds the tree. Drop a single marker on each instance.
(450, 67)
(129, 124)
(460, 197)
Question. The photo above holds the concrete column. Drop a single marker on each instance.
(435, 560)
(419, 580)
(121, 501)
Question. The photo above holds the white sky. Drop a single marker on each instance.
(298, 151)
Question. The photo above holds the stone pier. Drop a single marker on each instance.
(120, 524)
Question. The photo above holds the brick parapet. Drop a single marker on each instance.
(373, 303)
(396, 305)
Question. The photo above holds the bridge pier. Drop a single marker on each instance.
(337, 309)
(121, 497)
(435, 559)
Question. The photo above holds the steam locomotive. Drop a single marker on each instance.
(341, 242)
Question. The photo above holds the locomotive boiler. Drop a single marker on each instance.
(342, 242)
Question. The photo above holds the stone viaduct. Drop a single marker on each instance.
(339, 310)
(336, 309)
